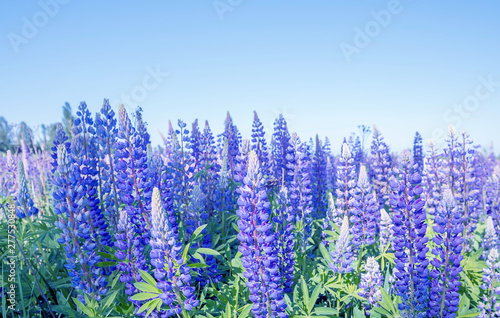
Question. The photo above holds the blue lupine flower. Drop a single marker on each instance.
(319, 181)
(208, 162)
(24, 203)
(233, 137)
(259, 144)
(490, 306)
(300, 189)
(380, 168)
(9, 184)
(492, 202)
(258, 245)
(170, 269)
(445, 285)
(284, 220)
(342, 254)
(418, 153)
(364, 217)
(410, 243)
(371, 284)
(434, 178)
(346, 181)
(333, 217)
(279, 151)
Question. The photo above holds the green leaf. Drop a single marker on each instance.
(110, 299)
(108, 256)
(147, 278)
(207, 251)
(387, 301)
(144, 296)
(245, 311)
(83, 308)
(325, 311)
(314, 297)
(305, 294)
(197, 265)
(146, 288)
(197, 232)
(105, 264)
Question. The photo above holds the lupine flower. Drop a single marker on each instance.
(232, 135)
(333, 216)
(170, 270)
(208, 162)
(125, 253)
(490, 240)
(258, 245)
(371, 283)
(279, 151)
(106, 134)
(493, 197)
(380, 168)
(284, 220)
(259, 144)
(318, 180)
(10, 183)
(331, 173)
(24, 203)
(363, 218)
(386, 232)
(300, 189)
(490, 306)
(60, 138)
(433, 177)
(342, 255)
(418, 153)
(445, 285)
(357, 154)
(410, 242)
(346, 181)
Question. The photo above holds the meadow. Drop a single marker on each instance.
(211, 225)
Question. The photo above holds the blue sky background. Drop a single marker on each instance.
(281, 56)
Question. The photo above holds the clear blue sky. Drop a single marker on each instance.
(414, 70)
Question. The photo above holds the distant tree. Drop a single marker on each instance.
(25, 133)
(68, 119)
(5, 135)
(48, 134)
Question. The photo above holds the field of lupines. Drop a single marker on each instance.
(210, 225)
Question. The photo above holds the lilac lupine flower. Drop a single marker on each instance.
(318, 181)
(224, 198)
(85, 153)
(280, 145)
(10, 185)
(410, 242)
(24, 203)
(208, 162)
(331, 173)
(371, 284)
(170, 269)
(380, 168)
(490, 240)
(490, 306)
(433, 177)
(386, 232)
(300, 189)
(258, 245)
(131, 168)
(342, 254)
(493, 197)
(124, 244)
(80, 247)
(241, 161)
(357, 154)
(195, 147)
(363, 218)
(346, 181)
(284, 220)
(259, 144)
(445, 284)
(106, 134)
(418, 153)
(333, 216)
(60, 138)
(232, 135)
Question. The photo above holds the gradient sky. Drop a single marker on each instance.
(424, 65)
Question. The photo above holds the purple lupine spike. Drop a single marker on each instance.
(258, 245)
(342, 255)
(331, 173)
(60, 138)
(386, 232)
(280, 145)
(357, 154)
(445, 283)
(195, 146)
(241, 161)
(80, 248)
(86, 156)
(106, 134)
(318, 181)
(131, 166)
(490, 304)
(300, 189)
(490, 240)
(364, 216)
(433, 177)
(259, 144)
(24, 203)
(380, 168)
(371, 284)
(333, 216)
(10, 184)
(224, 199)
(492, 202)
(284, 220)
(125, 253)
(170, 269)
(346, 181)
(410, 242)
(208, 162)
(418, 153)
(233, 137)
